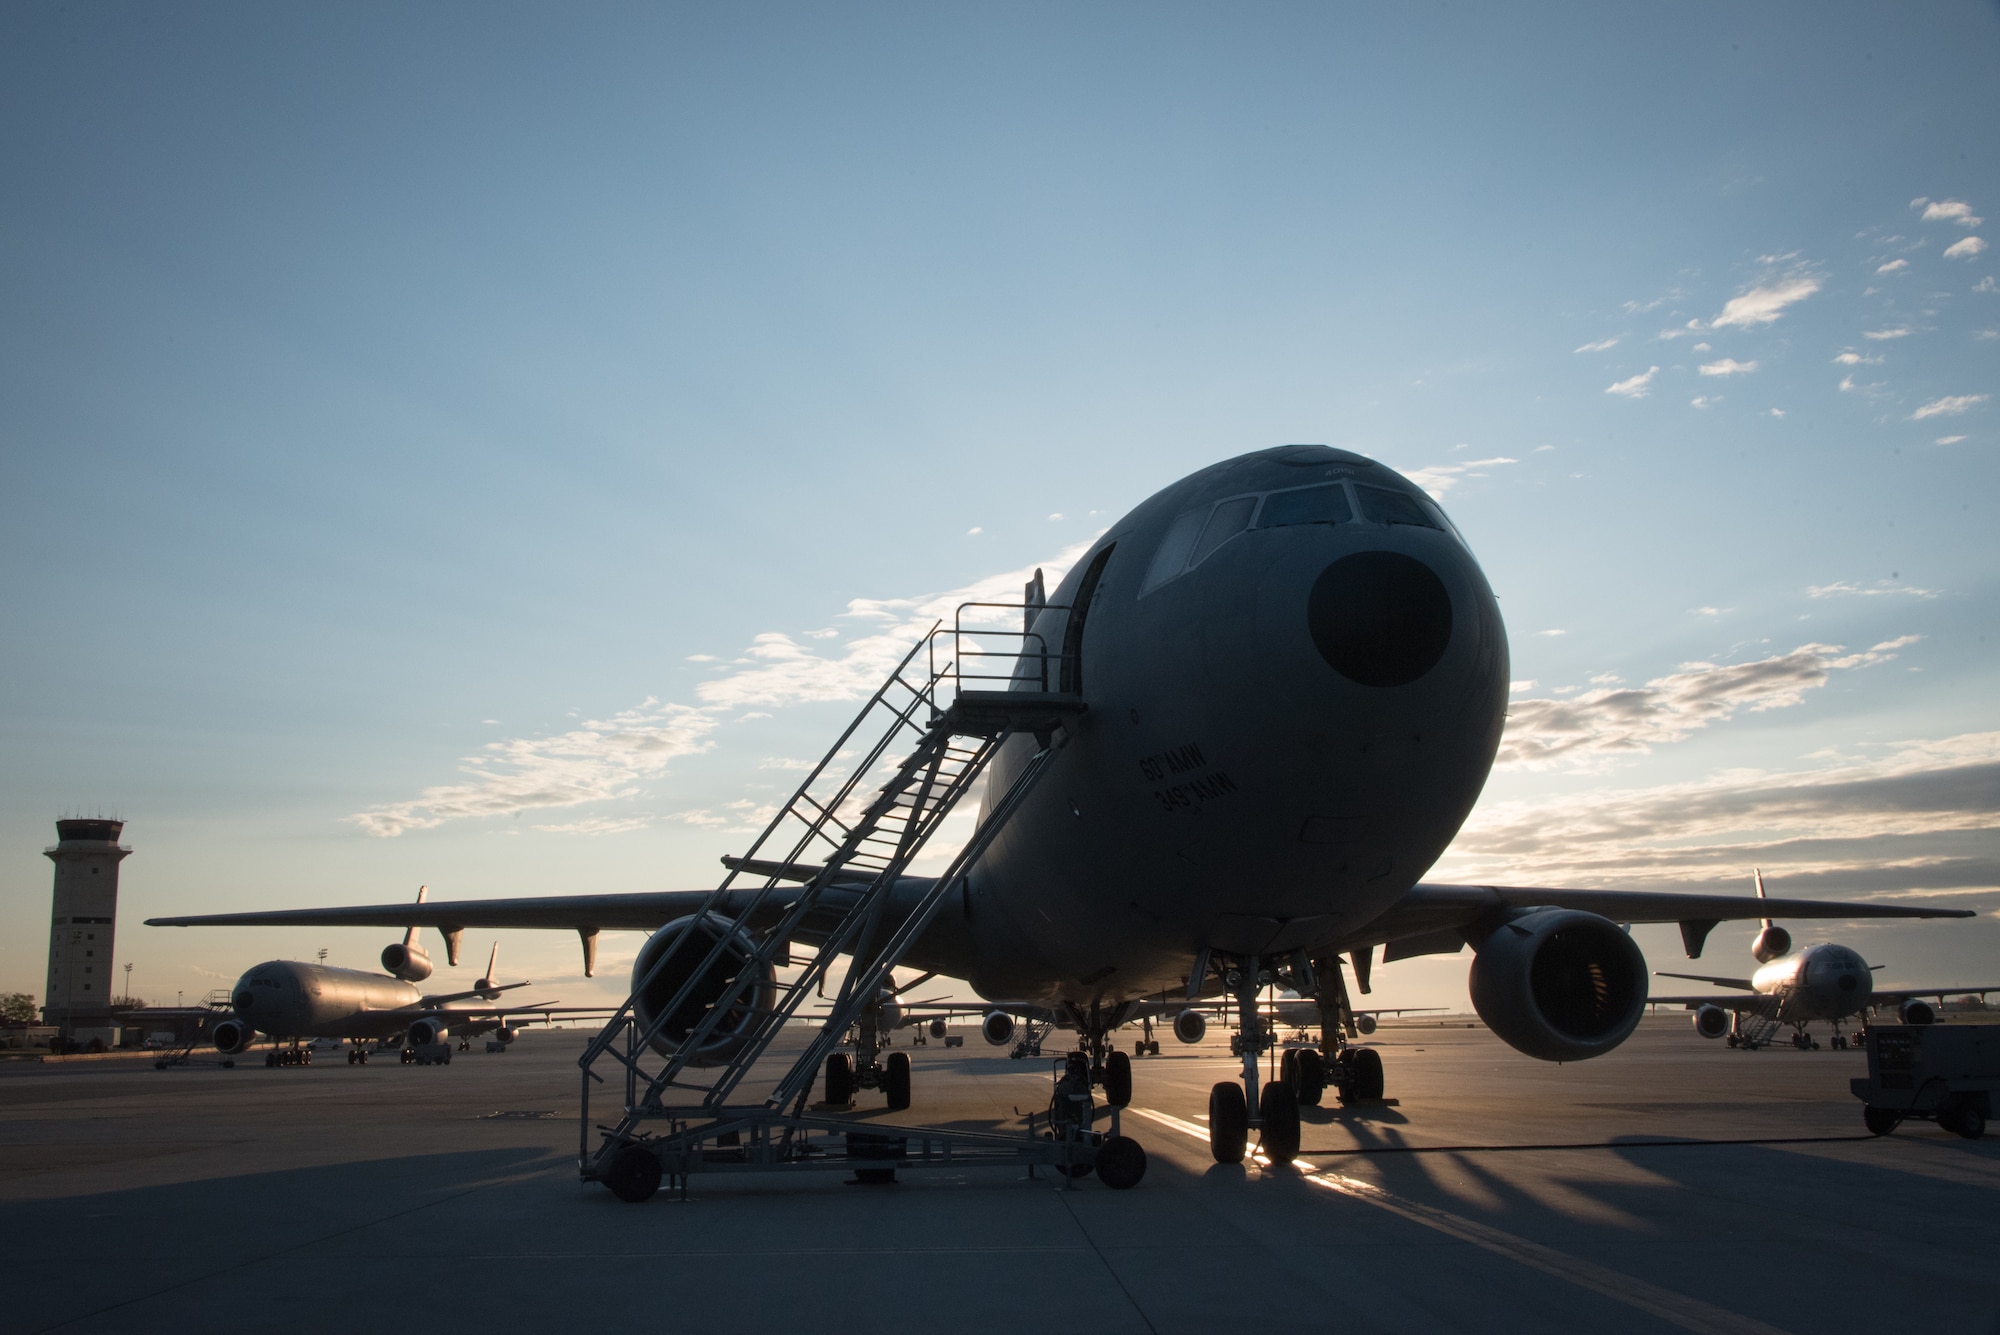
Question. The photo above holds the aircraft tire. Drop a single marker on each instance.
(1153, 1047)
(1364, 1076)
(1288, 1067)
(1118, 1080)
(1963, 1119)
(1278, 1109)
(1880, 1121)
(1121, 1162)
(839, 1080)
(1228, 1122)
(896, 1081)
(633, 1174)
(1309, 1078)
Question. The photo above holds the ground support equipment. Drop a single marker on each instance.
(1948, 1074)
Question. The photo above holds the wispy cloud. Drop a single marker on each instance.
(1986, 284)
(1704, 401)
(1766, 302)
(1949, 440)
(1601, 345)
(1728, 366)
(601, 760)
(1892, 266)
(1882, 335)
(1841, 588)
(1592, 729)
(1966, 249)
(1852, 358)
(1919, 817)
(1947, 210)
(1440, 478)
(1637, 387)
(1949, 406)
(599, 825)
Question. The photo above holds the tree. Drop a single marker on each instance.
(17, 1007)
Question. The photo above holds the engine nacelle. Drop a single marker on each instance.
(427, 1029)
(1771, 943)
(410, 963)
(232, 1035)
(997, 1028)
(679, 949)
(1364, 1024)
(1559, 984)
(506, 1034)
(937, 1028)
(1190, 1026)
(1917, 1011)
(1711, 1021)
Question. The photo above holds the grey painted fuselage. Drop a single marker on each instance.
(1228, 786)
(290, 999)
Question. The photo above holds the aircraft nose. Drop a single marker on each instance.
(1379, 618)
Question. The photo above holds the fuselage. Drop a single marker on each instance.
(290, 999)
(1822, 982)
(1295, 679)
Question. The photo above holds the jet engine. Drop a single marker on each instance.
(427, 1029)
(937, 1028)
(1364, 1024)
(679, 949)
(1711, 1021)
(1915, 1011)
(1190, 1026)
(1772, 942)
(997, 1028)
(506, 1034)
(1559, 984)
(232, 1035)
(407, 961)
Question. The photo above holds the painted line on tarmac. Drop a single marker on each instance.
(1674, 1308)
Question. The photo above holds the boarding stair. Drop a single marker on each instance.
(825, 874)
(1754, 1029)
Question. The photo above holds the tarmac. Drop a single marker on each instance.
(1673, 1185)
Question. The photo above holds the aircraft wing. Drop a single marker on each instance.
(1433, 919)
(1901, 993)
(641, 911)
(1743, 983)
(1729, 1001)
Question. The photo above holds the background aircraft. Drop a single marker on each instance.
(1827, 982)
(1273, 693)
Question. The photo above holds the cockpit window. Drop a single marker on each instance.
(1225, 522)
(1383, 506)
(1307, 505)
(1172, 557)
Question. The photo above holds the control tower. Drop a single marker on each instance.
(82, 920)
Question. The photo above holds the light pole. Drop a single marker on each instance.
(128, 982)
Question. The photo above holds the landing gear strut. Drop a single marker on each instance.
(866, 1069)
(1277, 1104)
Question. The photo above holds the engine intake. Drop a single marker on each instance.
(1916, 1011)
(1711, 1021)
(1364, 1024)
(232, 1035)
(678, 949)
(427, 1029)
(1559, 984)
(411, 962)
(1771, 943)
(1190, 1026)
(997, 1028)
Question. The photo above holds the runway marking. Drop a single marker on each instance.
(1674, 1308)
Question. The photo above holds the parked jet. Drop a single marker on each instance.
(290, 999)
(1284, 682)
(1822, 982)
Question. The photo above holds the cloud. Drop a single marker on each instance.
(974, 531)
(1949, 440)
(599, 825)
(1635, 388)
(1892, 266)
(1949, 406)
(1882, 587)
(1601, 345)
(1774, 412)
(1919, 817)
(1552, 633)
(1440, 478)
(1852, 358)
(1762, 305)
(1986, 284)
(1704, 401)
(596, 762)
(1966, 249)
(1055, 516)
(1881, 335)
(1592, 729)
(1728, 366)
(1947, 210)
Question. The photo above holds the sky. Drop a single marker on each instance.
(492, 446)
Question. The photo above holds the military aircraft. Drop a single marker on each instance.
(1827, 982)
(1284, 680)
(290, 999)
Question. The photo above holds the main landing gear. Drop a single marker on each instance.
(1304, 1074)
(867, 1068)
